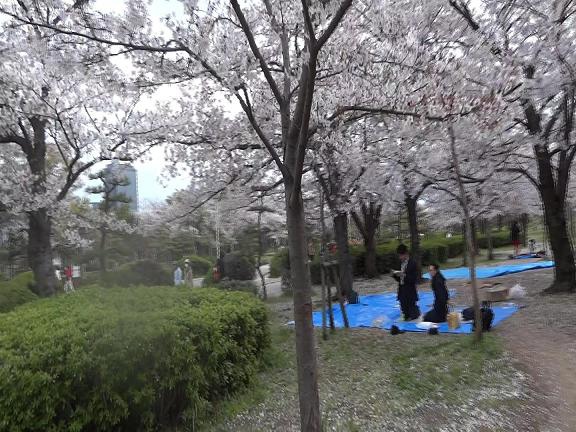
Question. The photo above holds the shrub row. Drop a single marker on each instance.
(239, 267)
(434, 250)
(16, 292)
(131, 359)
(145, 272)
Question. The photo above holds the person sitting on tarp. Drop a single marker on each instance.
(407, 277)
(440, 310)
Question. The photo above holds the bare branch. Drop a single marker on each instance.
(333, 24)
(256, 51)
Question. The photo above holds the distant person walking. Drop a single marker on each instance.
(68, 284)
(515, 237)
(407, 277)
(188, 275)
(178, 276)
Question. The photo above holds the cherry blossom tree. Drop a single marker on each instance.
(527, 52)
(338, 165)
(60, 116)
(266, 59)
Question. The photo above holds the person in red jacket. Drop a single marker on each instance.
(68, 284)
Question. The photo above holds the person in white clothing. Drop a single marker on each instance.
(178, 276)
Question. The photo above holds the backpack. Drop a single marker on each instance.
(487, 317)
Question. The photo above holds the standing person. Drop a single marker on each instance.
(188, 275)
(58, 274)
(440, 311)
(68, 284)
(515, 237)
(218, 272)
(178, 276)
(407, 291)
(311, 251)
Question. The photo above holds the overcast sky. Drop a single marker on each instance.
(152, 183)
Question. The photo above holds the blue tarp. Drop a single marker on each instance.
(490, 272)
(382, 311)
(527, 256)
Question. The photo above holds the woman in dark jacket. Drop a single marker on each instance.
(438, 314)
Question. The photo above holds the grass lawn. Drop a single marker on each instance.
(372, 381)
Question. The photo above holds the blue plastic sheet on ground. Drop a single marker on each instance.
(527, 256)
(382, 311)
(490, 272)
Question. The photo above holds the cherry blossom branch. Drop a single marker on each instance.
(256, 51)
(390, 111)
(333, 24)
(308, 22)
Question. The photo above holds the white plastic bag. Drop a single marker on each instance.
(517, 292)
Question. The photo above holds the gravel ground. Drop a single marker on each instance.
(530, 387)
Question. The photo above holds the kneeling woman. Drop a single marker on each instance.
(438, 314)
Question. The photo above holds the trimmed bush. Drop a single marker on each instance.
(237, 285)
(130, 359)
(279, 262)
(437, 249)
(17, 291)
(238, 267)
(148, 273)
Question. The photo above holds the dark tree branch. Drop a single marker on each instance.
(254, 47)
(333, 25)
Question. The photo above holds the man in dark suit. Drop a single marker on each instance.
(407, 278)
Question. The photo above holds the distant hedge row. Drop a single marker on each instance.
(144, 272)
(130, 359)
(434, 250)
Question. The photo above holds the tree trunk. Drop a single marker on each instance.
(322, 262)
(344, 258)
(40, 252)
(260, 252)
(489, 240)
(469, 237)
(553, 190)
(411, 207)
(309, 399)
(466, 253)
(39, 223)
(525, 220)
(370, 266)
(475, 236)
(102, 252)
(555, 219)
(368, 226)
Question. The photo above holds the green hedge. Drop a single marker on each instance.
(130, 359)
(239, 267)
(16, 292)
(436, 249)
(145, 272)
(278, 262)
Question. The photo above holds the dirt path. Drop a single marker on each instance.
(542, 340)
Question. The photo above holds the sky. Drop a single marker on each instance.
(153, 185)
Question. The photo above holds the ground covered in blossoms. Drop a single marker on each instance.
(522, 378)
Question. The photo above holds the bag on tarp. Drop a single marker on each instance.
(517, 292)
(487, 317)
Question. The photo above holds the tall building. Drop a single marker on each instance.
(128, 172)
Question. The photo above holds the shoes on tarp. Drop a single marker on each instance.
(394, 330)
